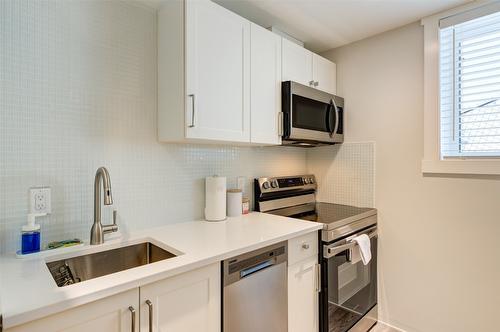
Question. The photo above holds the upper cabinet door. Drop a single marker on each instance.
(297, 63)
(265, 86)
(217, 73)
(324, 74)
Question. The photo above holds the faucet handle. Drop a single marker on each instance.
(113, 227)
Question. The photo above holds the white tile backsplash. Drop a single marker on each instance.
(345, 173)
(78, 91)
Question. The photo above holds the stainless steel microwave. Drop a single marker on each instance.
(311, 117)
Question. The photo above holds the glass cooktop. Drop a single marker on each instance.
(333, 214)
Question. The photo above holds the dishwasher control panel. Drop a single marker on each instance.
(246, 264)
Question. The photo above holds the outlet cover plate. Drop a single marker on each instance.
(40, 200)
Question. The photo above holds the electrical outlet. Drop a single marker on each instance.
(40, 200)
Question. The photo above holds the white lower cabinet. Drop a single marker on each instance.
(184, 303)
(303, 285)
(111, 314)
(188, 302)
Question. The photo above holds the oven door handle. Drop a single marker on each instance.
(332, 250)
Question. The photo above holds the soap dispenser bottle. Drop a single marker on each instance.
(30, 235)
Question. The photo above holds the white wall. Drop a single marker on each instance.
(439, 236)
(78, 91)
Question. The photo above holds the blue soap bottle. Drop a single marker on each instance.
(30, 235)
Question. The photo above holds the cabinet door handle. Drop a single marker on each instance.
(193, 97)
(280, 124)
(318, 278)
(305, 246)
(150, 306)
(316, 83)
(311, 83)
(132, 312)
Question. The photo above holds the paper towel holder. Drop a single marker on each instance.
(215, 198)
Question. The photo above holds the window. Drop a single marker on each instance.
(469, 85)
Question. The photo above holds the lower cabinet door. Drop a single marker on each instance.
(111, 314)
(185, 303)
(303, 314)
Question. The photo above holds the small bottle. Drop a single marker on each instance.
(245, 205)
(30, 235)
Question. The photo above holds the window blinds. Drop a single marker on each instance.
(470, 87)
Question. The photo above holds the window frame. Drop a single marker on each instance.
(432, 161)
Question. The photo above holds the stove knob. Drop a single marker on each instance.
(306, 180)
(265, 185)
(311, 180)
(274, 184)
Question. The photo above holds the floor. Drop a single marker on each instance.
(382, 328)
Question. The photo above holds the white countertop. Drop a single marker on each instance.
(29, 292)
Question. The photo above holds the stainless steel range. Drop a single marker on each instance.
(348, 296)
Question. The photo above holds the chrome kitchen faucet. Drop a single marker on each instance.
(98, 229)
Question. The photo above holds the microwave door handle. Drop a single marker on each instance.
(336, 118)
(328, 119)
(328, 116)
(286, 125)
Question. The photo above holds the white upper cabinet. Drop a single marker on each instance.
(265, 86)
(217, 73)
(324, 74)
(307, 68)
(297, 63)
(210, 100)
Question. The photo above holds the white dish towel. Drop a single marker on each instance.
(363, 247)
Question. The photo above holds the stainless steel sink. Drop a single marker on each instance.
(80, 268)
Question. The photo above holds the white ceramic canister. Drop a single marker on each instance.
(234, 201)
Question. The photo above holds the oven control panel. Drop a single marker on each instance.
(290, 182)
(302, 182)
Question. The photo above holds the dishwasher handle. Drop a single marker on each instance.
(247, 264)
(259, 267)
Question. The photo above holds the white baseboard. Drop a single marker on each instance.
(391, 326)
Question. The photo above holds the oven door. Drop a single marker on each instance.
(311, 115)
(349, 290)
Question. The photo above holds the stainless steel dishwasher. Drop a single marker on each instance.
(255, 291)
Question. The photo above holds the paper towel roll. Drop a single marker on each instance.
(234, 201)
(215, 198)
